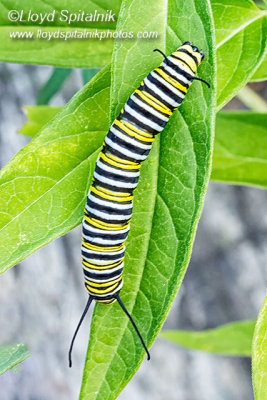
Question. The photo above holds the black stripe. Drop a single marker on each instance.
(110, 221)
(107, 297)
(128, 146)
(144, 101)
(183, 61)
(158, 74)
(189, 54)
(146, 114)
(118, 154)
(102, 257)
(121, 169)
(178, 69)
(185, 85)
(109, 210)
(164, 89)
(95, 275)
(154, 94)
(126, 115)
(115, 177)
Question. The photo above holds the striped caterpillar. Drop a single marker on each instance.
(110, 199)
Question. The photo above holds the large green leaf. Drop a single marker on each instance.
(168, 198)
(43, 189)
(240, 151)
(261, 73)
(233, 339)
(240, 144)
(11, 356)
(81, 53)
(259, 355)
(241, 41)
(37, 117)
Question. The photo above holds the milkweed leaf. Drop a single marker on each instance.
(11, 356)
(233, 339)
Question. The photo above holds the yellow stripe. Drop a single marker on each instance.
(194, 53)
(93, 290)
(123, 161)
(105, 284)
(154, 102)
(100, 267)
(104, 226)
(103, 249)
(135, 129)
(113, 193)
(113, 198)
(124, 128)
(187, 59)
(171, 81)
(106, 301)
(117, 164)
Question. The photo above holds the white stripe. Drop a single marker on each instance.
(116, 171)
(127, 138)
(142, 119)
(176, 74)
(101, 262)
(175, 90)
(161, 94)
(122, 150)
(104, 271)
(102, 241)
(106, 280)
(108, 232)
(148, 108)
(108, 216)
(112, 182)
(110, 204)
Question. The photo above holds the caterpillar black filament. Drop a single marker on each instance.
(110, 200)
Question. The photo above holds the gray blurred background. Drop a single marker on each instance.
(42, 298)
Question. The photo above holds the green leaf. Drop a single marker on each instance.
(43, 189)
(53, 85)
(241, 41)
(261, 73)
(240, 152)
(259, 355)
(11, 356)
(81, 53)
(232, 339)
(167, 201)
(37, 117)
(240, 145)
(74, 53)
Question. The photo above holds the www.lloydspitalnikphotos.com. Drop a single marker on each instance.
(63, 16)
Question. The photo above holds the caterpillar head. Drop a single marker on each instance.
(184, 61)
(189, 55)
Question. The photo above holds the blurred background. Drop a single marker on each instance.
(42, 298)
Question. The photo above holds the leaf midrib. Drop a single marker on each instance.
(240, 28)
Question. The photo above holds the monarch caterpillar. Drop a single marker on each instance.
(110, 199)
